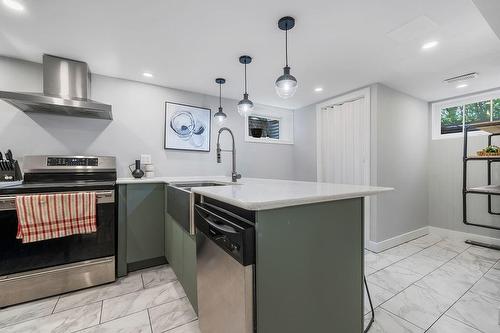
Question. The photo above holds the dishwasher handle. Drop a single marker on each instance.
(210, 218)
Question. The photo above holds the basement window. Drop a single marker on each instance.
(269, 125)
(450, 117)
(259, 127)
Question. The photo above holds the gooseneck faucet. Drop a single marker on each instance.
(234, 175)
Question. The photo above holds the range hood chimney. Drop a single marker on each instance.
(66, 91)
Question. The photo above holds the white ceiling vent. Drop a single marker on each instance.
(461, 78)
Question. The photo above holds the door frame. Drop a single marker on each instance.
(351, 96)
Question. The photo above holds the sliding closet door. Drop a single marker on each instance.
(344, 145)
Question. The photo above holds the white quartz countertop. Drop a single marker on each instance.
(262, 194)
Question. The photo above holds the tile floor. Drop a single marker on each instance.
(151, 300)
(426, 285)
(434, 285)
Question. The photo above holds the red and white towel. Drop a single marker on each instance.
(46, 216)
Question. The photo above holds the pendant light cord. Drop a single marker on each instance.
(220, 95)
(245, 78)
(286, 46)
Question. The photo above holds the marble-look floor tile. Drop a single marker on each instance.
(156, 277)
(135, 323)
(420, 264)
(122, 286)
(487, 254)
(450, 280)
(418, 305)
(474, 262)
(171, 315)
(27, 311)
(439, 253)
(494, 272)
(403, 251)
(426, 241)
(379, 260)
(192, 327)
(386, 322)
(394, 278)
(478, 311)
(457, 245)
(488, 286)
(369, 270)
(62, 322)
(144, 299)
(378, 296)
(446, 324)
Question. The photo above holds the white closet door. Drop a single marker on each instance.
(345, 142)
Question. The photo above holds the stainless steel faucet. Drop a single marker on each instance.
(234, 175)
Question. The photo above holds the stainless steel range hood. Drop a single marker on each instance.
(66, 88)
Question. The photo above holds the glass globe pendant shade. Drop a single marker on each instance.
(286, 85)
(245, 106)
(220, 116)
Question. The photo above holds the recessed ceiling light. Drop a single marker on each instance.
(319, 89)
(14, 5)
(146, 74)
(430, 45)
(463, 85)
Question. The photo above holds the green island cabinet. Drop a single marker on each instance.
(180, 251)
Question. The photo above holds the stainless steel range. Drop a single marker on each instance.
(34, 270)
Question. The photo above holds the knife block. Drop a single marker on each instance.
(10, 171)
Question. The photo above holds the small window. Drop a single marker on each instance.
(452, 120)
(496, 109)
(269, 126)
(479, 112)
(450, 117)
(259, 127)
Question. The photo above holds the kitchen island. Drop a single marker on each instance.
(309, 249)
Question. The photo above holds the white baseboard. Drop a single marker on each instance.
(397, 240)
(464, 235)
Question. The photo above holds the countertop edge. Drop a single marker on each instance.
(275, 204)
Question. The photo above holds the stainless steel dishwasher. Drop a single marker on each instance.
(225, 270)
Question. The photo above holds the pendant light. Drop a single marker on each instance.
(245, 106)
(220, 116)
(286, 84)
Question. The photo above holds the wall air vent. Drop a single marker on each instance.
(462, 78)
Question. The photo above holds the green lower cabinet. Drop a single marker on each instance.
(141, 217)
(177, 251)
(189, 271)
(169, 239)
(180, 251)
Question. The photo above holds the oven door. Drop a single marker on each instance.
(16, 257)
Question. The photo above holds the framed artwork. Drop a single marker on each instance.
(187, 127)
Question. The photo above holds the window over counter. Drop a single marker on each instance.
(450, 117)
(263, 127)
(269, 126)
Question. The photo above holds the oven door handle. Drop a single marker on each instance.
(9, 202)
(42, 272)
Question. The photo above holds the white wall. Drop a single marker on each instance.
(399, 159)
(445, 186)
(304, 149)
(137, 127)
(402, 158)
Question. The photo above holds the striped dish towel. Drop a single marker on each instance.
(47, 216)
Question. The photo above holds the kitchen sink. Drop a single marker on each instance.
(180, 202)
(187, 186)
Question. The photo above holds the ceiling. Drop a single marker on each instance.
(339, 45)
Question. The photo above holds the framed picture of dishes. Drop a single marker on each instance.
(187, 127)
